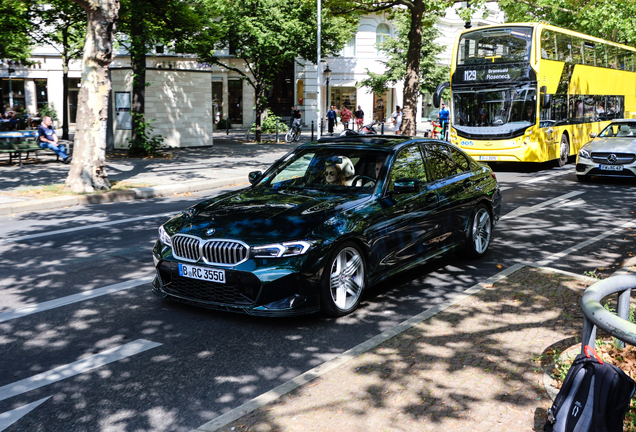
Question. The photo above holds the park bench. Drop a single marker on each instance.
(15, 143)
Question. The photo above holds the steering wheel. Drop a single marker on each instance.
(364, 180)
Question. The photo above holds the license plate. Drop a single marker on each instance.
(202, 273)
(611, 167)
(488, 158)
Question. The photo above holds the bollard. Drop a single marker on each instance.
(312, 130)
(382, 129)
(276, 131)
(227, 126)
(322, 127)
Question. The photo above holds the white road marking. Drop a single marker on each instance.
(545, 177)
(10, 417)
(67, 371)
(522, 211)
(84, 227)
(586, 243)
(63, 301)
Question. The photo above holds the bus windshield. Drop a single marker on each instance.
(495, 111)
(498, 45)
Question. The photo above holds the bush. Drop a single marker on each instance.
(222, 124)
(146, 144)
(48, 111)
(269, 124)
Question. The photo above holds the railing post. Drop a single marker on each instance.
(589, 334)
(623, 308)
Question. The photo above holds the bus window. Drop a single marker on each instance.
(548, 45)
(626, 60)
(564, 48)
(612, 56)
(495, 46)
(577, 51)
(601, 58)
(589, 53)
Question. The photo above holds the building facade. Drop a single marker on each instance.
(187, 98)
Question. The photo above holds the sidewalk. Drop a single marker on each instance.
(471, 367)
(226, 163)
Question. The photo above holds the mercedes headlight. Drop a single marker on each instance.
(164, 237)
(585, 154)
(281, 250)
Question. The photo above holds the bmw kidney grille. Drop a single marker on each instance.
(219, 252)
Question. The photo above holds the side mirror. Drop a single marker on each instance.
(407, 185)
(593, 135)
(545, 97)
(437, 96)
(254, 176)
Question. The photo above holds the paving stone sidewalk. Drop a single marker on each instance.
(473, 367)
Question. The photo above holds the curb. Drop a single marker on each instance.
(118, 196)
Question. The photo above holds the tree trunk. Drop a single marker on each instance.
(88, 170)
(412, 80)
(138, 61)
(65, 62)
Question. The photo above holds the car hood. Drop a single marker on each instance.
(258, 216)
(614, 144)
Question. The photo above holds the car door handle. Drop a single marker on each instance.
(431, 198)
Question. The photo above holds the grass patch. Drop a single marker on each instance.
(57, 190)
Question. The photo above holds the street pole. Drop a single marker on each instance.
(318, 71)
(11, 70)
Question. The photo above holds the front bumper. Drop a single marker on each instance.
(586, 167)
(255, 287)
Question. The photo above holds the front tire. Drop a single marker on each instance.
(343, 280)
(479, 232)
(564, 151)
(289, 136)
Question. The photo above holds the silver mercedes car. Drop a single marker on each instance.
(612, 153)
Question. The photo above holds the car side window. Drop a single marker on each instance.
(408, 164)
(460, 160)
(440, 161)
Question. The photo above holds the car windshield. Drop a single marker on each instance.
(495, 111)
(619, 130)
(328, 170)
(498, 45)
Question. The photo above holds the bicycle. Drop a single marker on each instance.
(293, 134)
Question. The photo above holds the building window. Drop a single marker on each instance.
(217, 100)
(349, 49)
(343, 96)
(235, 100)
(73, 93)
(17, 89)
(41, 91)
(382, 33)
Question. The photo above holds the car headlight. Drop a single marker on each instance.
(585, 154)
(164, 237)
(281, 250)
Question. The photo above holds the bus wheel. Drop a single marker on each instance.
(564, 151)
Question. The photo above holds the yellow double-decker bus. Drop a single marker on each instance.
(532, 92)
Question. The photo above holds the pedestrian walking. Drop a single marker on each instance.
(331, 119)
(359, 117)
(444, 114)
(397, 119)
(345, 117)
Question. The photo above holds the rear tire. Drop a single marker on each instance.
(343, 280)
(479, 232)
(564, 151)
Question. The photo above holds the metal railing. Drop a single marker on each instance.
(595, 315)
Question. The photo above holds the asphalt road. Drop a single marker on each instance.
(86, 346)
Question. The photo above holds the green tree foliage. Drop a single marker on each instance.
(418, 13)
(60, 24)
(15, 25)
(142, 25)
(608, 19)
(268, 35)
(395, 49)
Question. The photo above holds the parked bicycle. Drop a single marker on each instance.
(293, 134)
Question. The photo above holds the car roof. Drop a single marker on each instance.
(624, 121)
(378, 142)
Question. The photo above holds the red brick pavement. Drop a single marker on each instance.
(472, 367)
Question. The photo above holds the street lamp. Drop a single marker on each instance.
(327, 74)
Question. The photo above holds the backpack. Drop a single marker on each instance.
(594, 397)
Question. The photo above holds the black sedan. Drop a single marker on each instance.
(323, 223)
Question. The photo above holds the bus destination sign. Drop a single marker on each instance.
(493, 73)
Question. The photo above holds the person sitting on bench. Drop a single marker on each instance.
(48, 140)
